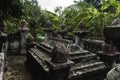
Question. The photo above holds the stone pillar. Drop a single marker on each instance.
(79, 35)
(63, 31)
(47, 33)
(59, 65)
(29, 44)
(3, 38)
(112, 36)
(59, 71)
(23, 32)
(108, 55)
(77, 38)
(3, 47)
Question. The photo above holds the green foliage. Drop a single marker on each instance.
(94, 19)
(95, 3)
(10, 13)
(33, 14)
(37, 18)
(10, 8)
(12, 25)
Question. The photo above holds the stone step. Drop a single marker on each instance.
(44, 48)
(90, 64)
(84, 58)
(40, 53)
(84, 63)
(87, 71)
(77, 53)
(46, 45)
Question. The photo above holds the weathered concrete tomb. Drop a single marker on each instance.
(61, 59)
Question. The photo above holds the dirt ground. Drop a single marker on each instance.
(16, 69)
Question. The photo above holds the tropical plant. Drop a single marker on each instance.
(37, 18)
(10, 14)
(94, 19)
(96, 3)
(10, 8)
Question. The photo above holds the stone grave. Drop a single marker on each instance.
(87, 65)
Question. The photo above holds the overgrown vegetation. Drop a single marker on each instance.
(95, 17)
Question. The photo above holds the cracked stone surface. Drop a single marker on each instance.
(16, 69)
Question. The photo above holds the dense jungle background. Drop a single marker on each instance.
(96, 14)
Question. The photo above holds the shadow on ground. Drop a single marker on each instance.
(16, 69)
